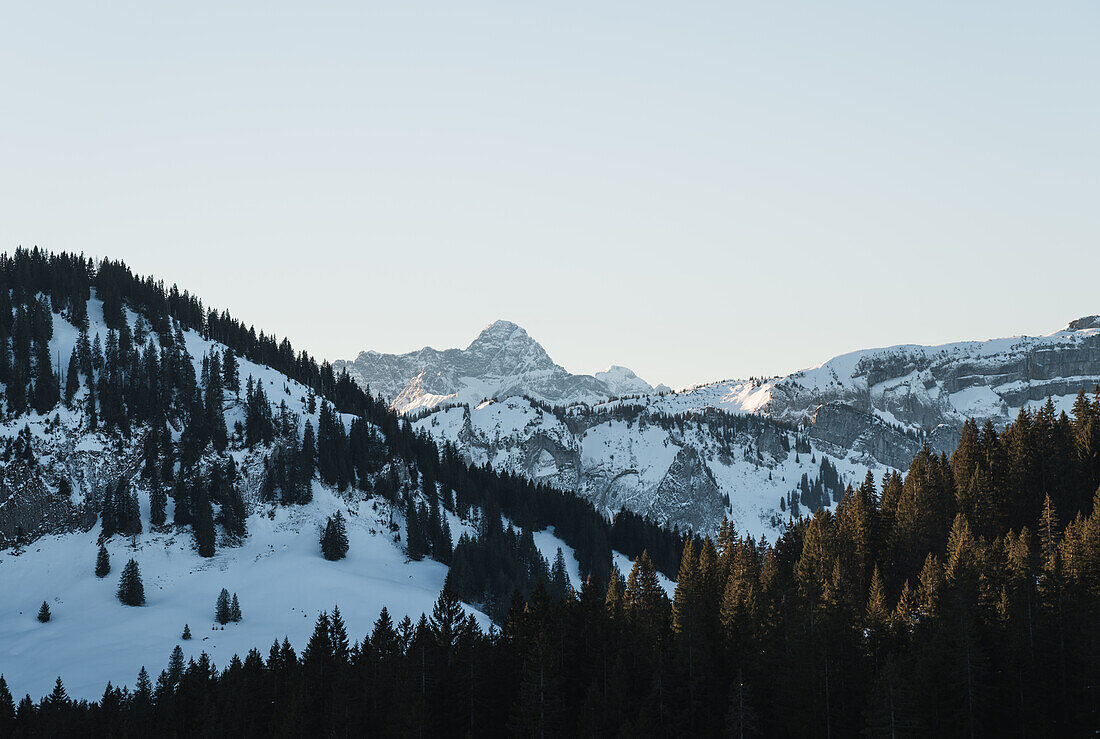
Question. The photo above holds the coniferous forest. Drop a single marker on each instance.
(959, 600)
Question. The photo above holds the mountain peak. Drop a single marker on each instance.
(501, 330)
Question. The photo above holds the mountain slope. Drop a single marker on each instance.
(502, 361)
(214, 457)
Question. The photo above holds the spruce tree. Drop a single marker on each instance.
(109, 513)
(307, 463)
(559, 577)
(186, 632)
(334, 538)
(203, 523)
(44, 612)
(234, 609)
(72, 379)
(102, 562)
(175, 666)
(416, 542)
(221, 609)
(7, 709)
(131, 592)
(448, 619)
(158, 502)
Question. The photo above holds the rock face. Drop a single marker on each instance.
(688, 493)
(502, 361)
(843, 430)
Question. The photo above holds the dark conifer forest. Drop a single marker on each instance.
(962, 599)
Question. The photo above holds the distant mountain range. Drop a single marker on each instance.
(502, 361)
(613, 440)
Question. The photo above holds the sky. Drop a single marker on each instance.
(697, 191)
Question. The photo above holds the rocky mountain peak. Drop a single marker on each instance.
(502, 361)
(504, 348)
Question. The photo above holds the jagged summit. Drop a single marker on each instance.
(503, 361)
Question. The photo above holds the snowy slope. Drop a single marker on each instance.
(278, 572)
(680, 474)
(502, 361)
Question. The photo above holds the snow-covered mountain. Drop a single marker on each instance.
(502, 361)
(684, 459)
(687, 471)
(922, 388)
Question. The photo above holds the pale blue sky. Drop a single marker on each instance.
(694, 190)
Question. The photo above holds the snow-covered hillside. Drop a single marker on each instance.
(277, 572)
(48, 545)
(502, 361)
(688, 472)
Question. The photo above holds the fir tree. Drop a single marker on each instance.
(7, 709)
(186, 632)
(234, 609)
(222, 612)
(334, 538)
(44, 612)
(131, 591)
(416, 543)
(308, 454)
(158, 502)
(175, 666)
(559, 577)
(72, 379)
(102, 562)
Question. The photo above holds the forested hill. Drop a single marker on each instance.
(961, 601)
(136, 420)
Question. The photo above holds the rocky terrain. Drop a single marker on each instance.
(502, 361)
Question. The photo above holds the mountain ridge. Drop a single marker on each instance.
(503, 360)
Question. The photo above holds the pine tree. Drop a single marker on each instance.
(186, 632)
(131, 591)
(222, 608)
(416, 543)
(7, 709)
(158, 502)
(447, 621)
(102, 562)
(307, 464)
(109, 513)
(334, 538)
(646, 602)
(72, 379)
(234, 609)
(559, 577)
(203, 523)
(338, 637)
(175, 666)
(44, 612)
